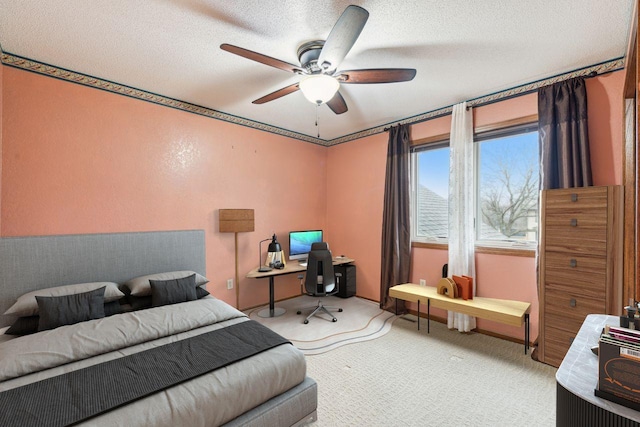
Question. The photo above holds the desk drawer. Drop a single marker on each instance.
(587, 272)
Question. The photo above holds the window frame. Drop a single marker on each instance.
(481, 133)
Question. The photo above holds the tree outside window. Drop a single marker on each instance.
(507, 170)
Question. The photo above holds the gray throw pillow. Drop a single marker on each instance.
(29, 325)
(173, 291)
(141, 303)
(139, 286)
(70, 309)
(24, 326)
(26, 305)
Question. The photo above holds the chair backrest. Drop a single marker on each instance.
(319, 246)
(320, 279)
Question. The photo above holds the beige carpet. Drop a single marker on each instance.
(360, 320)
(410, 378)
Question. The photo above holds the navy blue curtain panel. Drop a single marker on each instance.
(396, 233)
(563, 135)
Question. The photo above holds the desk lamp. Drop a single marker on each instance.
(275, 256)
(235, 221)
(262, 268)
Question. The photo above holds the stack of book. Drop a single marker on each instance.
(619, 366)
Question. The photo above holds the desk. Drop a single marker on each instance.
(290, 268)
(514, 313)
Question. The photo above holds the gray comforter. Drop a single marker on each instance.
(209, 400)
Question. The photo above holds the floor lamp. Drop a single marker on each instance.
(236, 221)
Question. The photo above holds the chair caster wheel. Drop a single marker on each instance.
(299, 312)
(306, 321)
(334, 319)
(339, 310)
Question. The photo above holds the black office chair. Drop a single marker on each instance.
(320, 280)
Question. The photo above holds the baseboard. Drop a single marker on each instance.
(267, 303)
(368, 299)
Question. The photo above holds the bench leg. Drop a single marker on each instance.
(418, 314)
(428, 315)
(526, 332)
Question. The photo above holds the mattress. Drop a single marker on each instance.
(212, 399)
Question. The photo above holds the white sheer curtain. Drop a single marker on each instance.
(461, 206)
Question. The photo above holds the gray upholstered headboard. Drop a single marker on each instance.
(30, 263)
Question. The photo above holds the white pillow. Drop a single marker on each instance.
(140, 286)
(28, 306)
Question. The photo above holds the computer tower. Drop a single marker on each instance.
(346, 282)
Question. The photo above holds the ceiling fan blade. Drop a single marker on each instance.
(264, 59)
(342, 37)
(277, 94)
(376, 75)
(337, 104)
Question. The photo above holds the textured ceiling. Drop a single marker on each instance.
(461, 50)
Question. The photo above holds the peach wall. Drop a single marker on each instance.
(362, 162)
(355, 188)
(606, 118)
(81, 160)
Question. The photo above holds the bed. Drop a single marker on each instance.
(199, 362)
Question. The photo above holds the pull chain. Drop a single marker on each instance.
(317, 119)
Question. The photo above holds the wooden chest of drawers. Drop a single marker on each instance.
(580, 263)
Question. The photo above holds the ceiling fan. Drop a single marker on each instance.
(319, 61)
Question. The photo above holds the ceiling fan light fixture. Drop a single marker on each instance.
(319, 88)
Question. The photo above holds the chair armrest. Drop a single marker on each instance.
(338, 275)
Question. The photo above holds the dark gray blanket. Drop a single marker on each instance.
(76, 396)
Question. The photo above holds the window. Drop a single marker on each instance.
(431, 192)
(506, 188)
(507, 168)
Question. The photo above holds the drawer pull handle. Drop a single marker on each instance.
(574, 197)
(573, 263)
(572, 302)
(574, 222)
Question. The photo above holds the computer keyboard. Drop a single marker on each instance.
(303, 264)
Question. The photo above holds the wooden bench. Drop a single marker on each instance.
(514, 313)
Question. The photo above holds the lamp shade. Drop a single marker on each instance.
(319, 88)
(274, 246)
(236, 220)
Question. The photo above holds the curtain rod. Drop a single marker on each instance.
(593, 73)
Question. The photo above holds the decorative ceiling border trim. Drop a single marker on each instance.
(109, 86)
(602, 68)
(17, 61)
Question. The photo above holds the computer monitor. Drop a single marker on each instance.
(300, 243)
